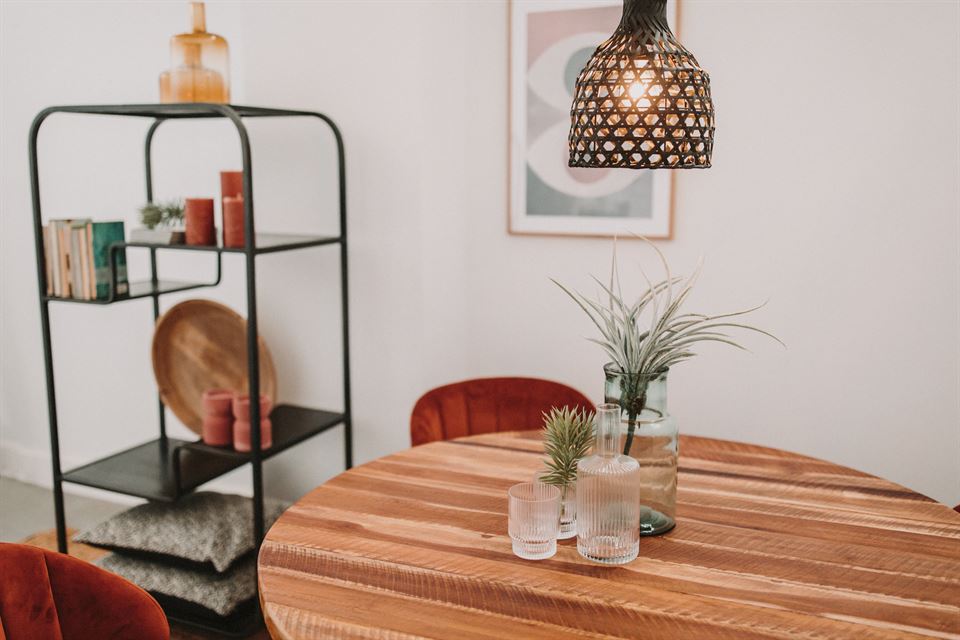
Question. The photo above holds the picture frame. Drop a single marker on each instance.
(549, 42)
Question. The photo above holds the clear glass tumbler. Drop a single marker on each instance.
(534, 519)
(568, 507)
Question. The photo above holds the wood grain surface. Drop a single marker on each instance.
(768, 544)
(200, 345)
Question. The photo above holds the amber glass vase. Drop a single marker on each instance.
(649, 435)
(199, 64)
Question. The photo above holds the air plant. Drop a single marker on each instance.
(568, 436)
(164, 214)
(643, 348)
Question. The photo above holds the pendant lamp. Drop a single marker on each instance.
(642, 101)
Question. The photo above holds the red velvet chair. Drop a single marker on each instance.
(486, 405)
(51, 596)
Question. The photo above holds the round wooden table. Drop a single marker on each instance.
(767, 544)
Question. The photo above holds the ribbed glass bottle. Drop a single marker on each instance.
(608, 496)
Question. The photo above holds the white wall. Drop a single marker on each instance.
(834, 193)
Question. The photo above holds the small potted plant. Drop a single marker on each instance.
(568, 436)
(162, 223)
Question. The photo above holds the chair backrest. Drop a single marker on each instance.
(485, 405)
(53, 596)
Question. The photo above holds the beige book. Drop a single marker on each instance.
(84, 260)
(63, 236)
(54, 257)
(91, 273)
(48, 270)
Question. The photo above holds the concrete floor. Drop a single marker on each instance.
(26, 509)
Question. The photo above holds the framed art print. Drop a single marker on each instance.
(550, 42)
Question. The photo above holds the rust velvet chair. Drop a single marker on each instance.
(486, 405)
(51, 596)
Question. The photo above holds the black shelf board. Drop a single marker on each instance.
(265, 243)
(146, 471)
(291, 426)
(178, 110)
(142, 289)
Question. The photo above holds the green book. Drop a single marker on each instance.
(102, 235)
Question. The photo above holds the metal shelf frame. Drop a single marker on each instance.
(160, 113)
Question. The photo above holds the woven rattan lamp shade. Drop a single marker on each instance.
(642, 101)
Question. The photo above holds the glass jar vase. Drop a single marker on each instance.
(650, 435)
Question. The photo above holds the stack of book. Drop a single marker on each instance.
(77, 256)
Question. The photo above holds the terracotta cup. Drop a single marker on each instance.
(218, 402)
(233, 221)
(198, 213)
(241, 435)
(241, 407)
(217, 431)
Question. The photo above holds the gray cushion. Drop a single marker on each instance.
(218, 592)
(205, 529)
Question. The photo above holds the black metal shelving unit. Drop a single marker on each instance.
(166, 468)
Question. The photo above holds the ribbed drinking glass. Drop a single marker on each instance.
(568, 508)
(534, 519)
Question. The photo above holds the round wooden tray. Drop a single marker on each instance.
(200, 345)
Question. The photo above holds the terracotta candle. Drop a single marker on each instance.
(231, 185)
(217, 428)
(242, 426)
(217, 431)
(233, 221)
(241, 407)
(199, 221)
(218, 402)
(241, 435)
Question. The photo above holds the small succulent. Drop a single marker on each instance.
(640, 349)
(568, 436)
(163, 214)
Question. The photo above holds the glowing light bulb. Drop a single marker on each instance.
(637, 89)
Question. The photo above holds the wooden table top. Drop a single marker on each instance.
(768, 544)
